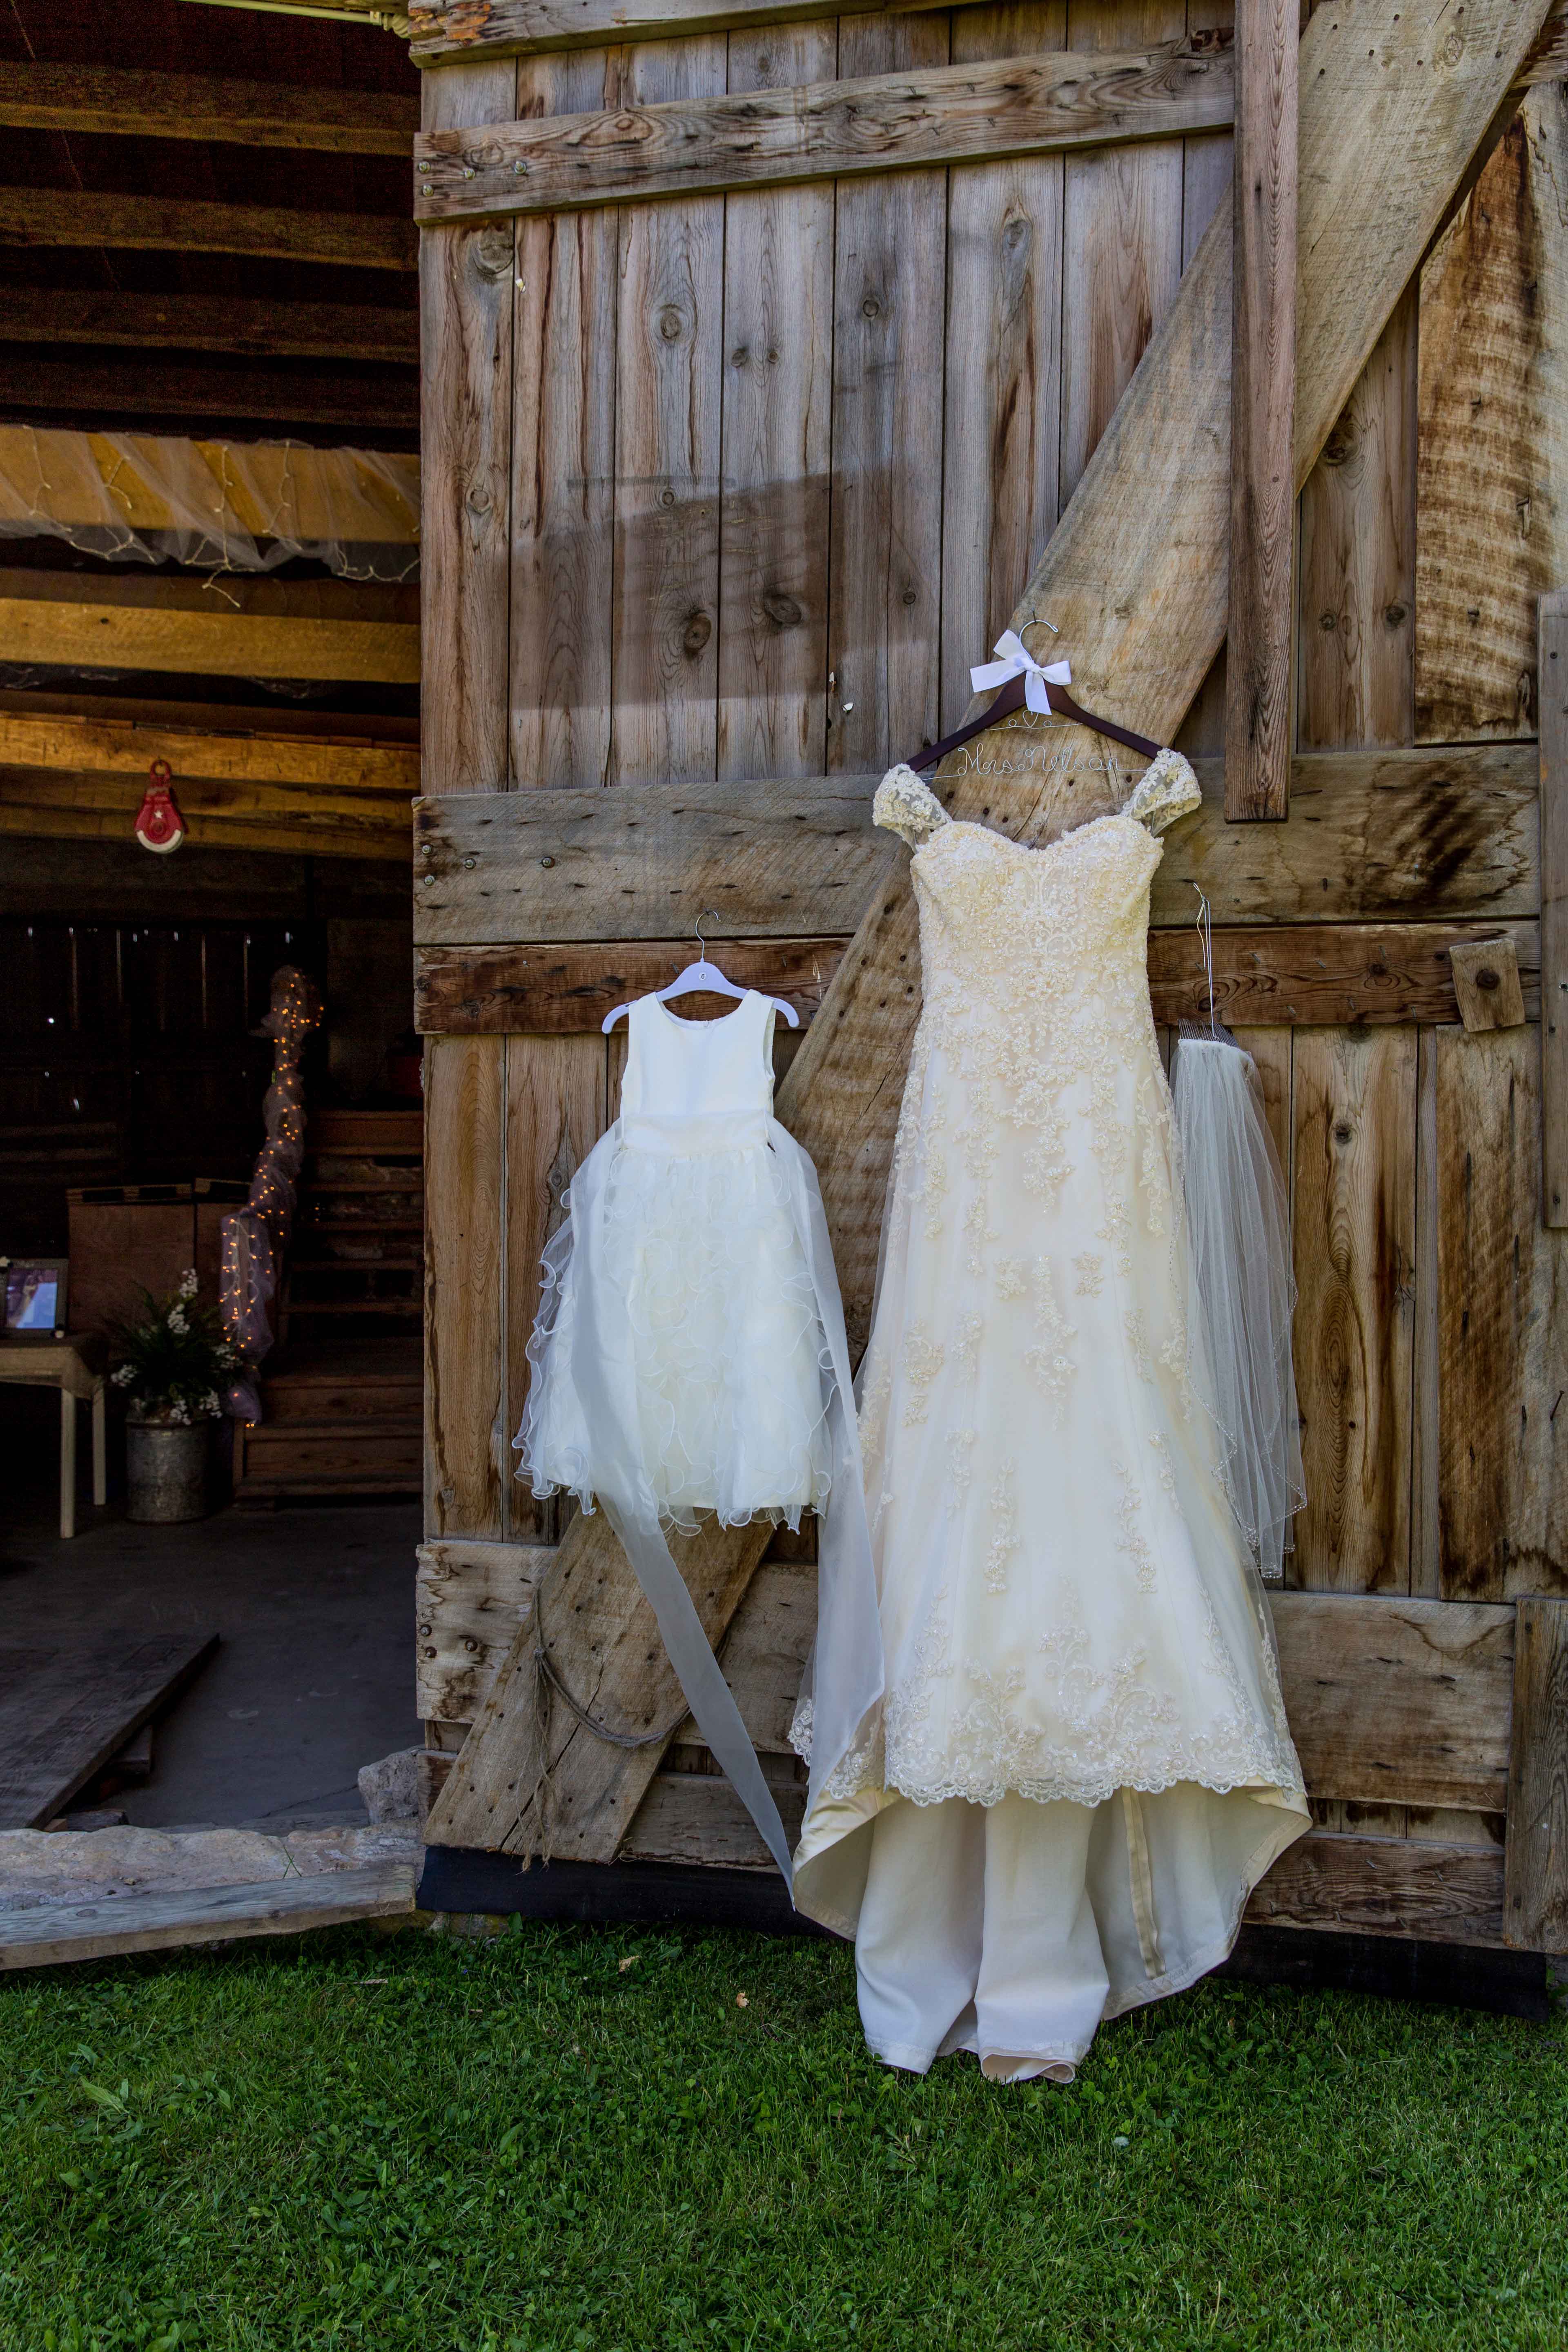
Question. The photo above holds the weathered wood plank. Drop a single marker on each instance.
(1003, 378)
(1262, 414)
(823, 130)
(108, 99)
(1305, 975)
(1373, 836)
(469, 1600)
(885, 521)
(264, 628)
(554, 1115)
(1140, 583)
(66, 806)
(1554, 699)
(99, 745)
(1354, 1195)
(1450, 1893)
(1426, 1484)
(1536, 1901)
(1486, 983)
(59, 1726)
(668, 409)
(467, 1449)
(1492, 535)
(690, 1817)
(210, 323)
(1121, 244)
(445, 31)
(1502, 1327)
(563, 469)
(604, 1638)
(1398, 1701)
(1357, 593)
(466, 378)
(777, 413)
(49, 1936)
(567, 991)
(64, 217)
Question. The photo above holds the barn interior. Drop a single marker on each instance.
(208, 557)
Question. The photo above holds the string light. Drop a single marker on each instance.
(256, 1238)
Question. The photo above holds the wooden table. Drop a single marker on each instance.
(74, 1366)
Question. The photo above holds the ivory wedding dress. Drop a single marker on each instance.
(1080, 1764)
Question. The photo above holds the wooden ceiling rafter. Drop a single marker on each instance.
(111, 100)
(210, 323)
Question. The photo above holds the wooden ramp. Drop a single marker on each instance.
(65, 1714)
(164, 1921)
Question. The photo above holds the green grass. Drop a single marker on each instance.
(563, 2140)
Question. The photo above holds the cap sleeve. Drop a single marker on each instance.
(906, 806)
(1166, 791)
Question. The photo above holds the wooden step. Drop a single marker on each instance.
(292, 1458)
(365, 1130)
(403, 1306)
(47, 1935)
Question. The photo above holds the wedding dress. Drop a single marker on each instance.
(1080, 1766)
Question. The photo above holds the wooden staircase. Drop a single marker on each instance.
(341, 1395)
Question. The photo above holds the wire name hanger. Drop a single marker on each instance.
(702, 977)
(1024, 681)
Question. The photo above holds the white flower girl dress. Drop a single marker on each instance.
(690, 1354)
(1081, 1765)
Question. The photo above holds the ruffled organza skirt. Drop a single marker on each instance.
(731, 1371)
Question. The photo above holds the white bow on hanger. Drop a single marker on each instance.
(703, 978)
(1015, 660)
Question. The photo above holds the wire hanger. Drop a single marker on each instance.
(702, 976)
(1023, 680)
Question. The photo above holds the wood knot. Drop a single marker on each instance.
(695, 635)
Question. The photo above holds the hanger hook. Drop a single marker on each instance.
(702, 918)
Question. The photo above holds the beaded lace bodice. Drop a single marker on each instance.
(1038, 1461)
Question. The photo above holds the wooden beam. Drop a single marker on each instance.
(1292, 975)
(1384, 1886)
(1262, 414)
(282, 824)
(1552, 670)
(125, 389)
(99, 745)
(156, 1921)
(827, 130)
(108, 99)
(241, 628)
(210, 323)
(447, 32)
(1136, 579)
(76, 216)
(1536, 1902)
(1376, 835)
(1397, 1701)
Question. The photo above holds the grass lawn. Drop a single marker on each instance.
(563, 2139)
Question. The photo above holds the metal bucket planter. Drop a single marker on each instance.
(166, 1470)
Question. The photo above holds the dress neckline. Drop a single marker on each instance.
(1027, 848)
(696, 1027)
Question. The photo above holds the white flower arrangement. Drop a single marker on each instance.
(175, 1361)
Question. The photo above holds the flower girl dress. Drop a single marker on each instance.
(690, 1354)
(1081, 1764)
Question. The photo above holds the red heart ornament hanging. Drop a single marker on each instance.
(159, 824)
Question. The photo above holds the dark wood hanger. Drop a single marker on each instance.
(1011, 699)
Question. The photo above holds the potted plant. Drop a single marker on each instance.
(174, 1363)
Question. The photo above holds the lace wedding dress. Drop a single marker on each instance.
(1080, 1764)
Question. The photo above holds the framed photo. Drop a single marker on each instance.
(34, 1296)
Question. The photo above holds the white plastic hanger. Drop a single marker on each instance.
(704, 976)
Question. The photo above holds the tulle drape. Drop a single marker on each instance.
(1239, 1237)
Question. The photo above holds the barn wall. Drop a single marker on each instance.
(737, 488)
